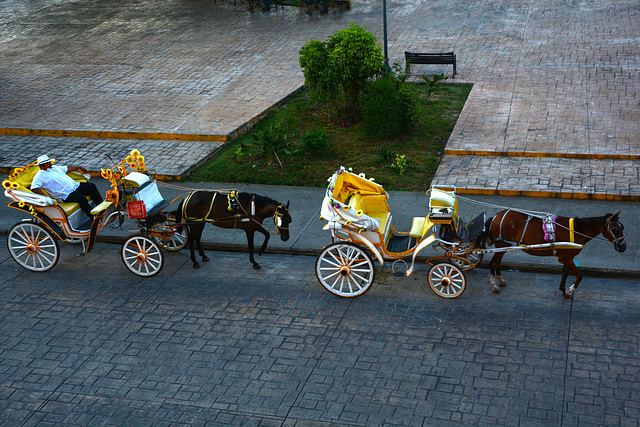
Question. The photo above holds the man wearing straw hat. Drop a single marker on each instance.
(59, 185)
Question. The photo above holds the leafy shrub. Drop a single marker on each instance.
(386, 153)
(271, 140)
(339, 69)
(382, 115)
(432, 84)
(391, 107)
(315, 142)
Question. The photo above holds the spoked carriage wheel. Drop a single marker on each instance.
(141, 255)
(468, 262)
(344, 269)
(33, 247)
(447, 280)
(167, 237)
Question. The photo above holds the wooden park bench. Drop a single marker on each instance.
(430, 58)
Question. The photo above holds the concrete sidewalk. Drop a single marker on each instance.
(307, 236)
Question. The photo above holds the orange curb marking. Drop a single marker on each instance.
(542, 154)
(549, 194)
(112, 135)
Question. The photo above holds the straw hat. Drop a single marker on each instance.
(43, 159)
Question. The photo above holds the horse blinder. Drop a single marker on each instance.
(615, 229)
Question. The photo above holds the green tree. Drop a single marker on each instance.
(339, 69)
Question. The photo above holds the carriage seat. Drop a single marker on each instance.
(420, 226)
(474, 228)
(24, 185)
(374, 206)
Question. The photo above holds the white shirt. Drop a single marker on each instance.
(55, 181)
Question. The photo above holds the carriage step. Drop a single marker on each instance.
(401, 243)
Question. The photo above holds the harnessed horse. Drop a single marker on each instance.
(511, 228)
(233, 209)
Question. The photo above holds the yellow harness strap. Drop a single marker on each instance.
(571, 233)
(186, 202)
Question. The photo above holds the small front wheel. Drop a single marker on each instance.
(166, 235)
(447, 280)
(344, 269)
(33, 247)
(468, 261)
(141, 255)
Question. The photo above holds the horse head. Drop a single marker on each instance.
(282, 219)
(613, 232)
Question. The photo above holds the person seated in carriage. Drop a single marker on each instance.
(55, 181)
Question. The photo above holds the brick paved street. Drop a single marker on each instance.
(90, 344)
(549, 77)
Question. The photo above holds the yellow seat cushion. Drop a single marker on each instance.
(419, 227)
(375, 204)
(69, 208)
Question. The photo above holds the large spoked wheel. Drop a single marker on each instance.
(344, 269)
(167, 237)
(33, 247)
(141, 255)
(467, 262)
(447, 280)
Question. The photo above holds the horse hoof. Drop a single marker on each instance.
(196, 265)
(567, 295)
(495, 290)
(205, 259)
(256, 266)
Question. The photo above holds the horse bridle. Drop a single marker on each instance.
(615, 229)
(277, 219)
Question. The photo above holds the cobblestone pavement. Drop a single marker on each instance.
(549, 78)
(88, 343)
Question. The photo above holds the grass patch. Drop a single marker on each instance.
(244, 160)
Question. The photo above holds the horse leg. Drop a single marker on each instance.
(250, 243)
(569, 265)
(199, 243)
(266, 235)
(195, 236)
(191, 239)
(495, 277)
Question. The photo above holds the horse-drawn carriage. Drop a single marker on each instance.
(33, 242)
(362, 231)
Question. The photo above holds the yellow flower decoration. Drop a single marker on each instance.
(135, 153)
(15, 185)
(129, 159)
(21, 204)
(141, 159)
(103, 173)
(6, 184)
(121, 170)
(14, 176)
(133, 165)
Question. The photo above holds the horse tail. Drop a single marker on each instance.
(178, 216)
(484, 239)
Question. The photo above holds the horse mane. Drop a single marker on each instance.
(264, 200)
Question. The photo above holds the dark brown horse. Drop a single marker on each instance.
(245, 211)
(511, 228)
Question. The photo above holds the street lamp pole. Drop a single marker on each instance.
(384, 26)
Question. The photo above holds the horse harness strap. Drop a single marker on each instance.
(571, 231)
(529, 218)
(204, 218)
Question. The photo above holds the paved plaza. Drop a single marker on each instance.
(553, 111)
